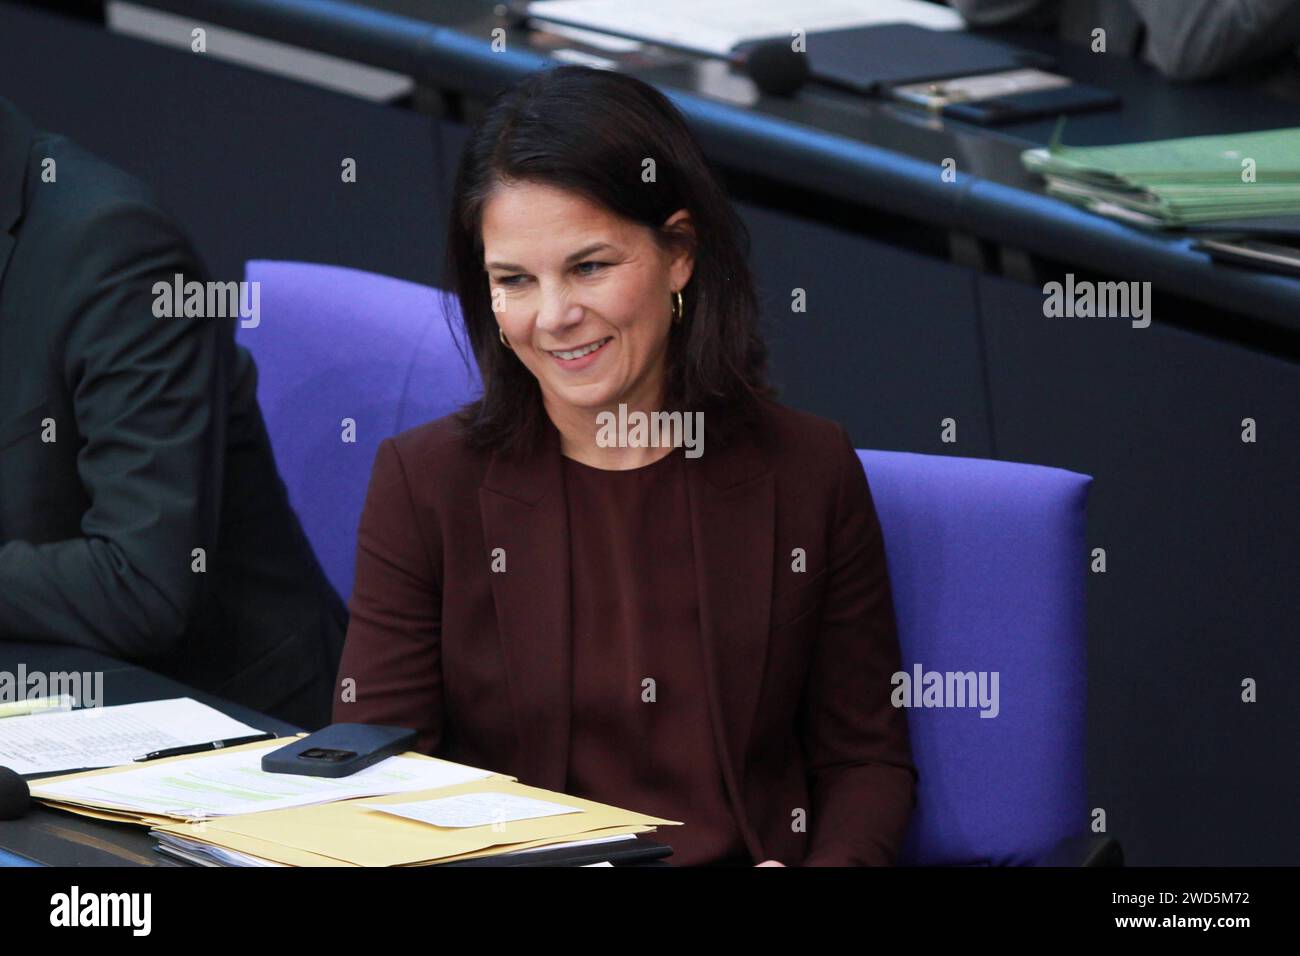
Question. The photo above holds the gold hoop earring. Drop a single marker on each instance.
(679, 308)
(502, 334)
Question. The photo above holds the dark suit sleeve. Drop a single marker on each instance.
(391, 667)
(855, 741)
(149, 407)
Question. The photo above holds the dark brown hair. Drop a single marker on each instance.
(589, 132)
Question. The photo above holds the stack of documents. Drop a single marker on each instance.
(110, 736)
(1178, 182)
(221, 808)
(718, 27)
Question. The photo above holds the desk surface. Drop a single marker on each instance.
(58, 838)
(848, 147)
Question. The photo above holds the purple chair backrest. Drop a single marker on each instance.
(986, 558)
(988, 571)
(346, 359)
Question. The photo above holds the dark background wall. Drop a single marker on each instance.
(1200, 529)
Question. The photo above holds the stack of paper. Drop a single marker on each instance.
(109, 736)
(368, 833)
(231, 781)
(719, 26)
(1178, 182)
(206, 854)
(221, 808)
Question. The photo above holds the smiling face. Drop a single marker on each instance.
(583, 296)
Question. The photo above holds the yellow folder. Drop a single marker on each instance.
(350, 833)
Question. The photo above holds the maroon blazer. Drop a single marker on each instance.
(816, 761)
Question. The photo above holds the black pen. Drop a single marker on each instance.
(199, 748)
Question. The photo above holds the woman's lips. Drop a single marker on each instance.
(582, 361)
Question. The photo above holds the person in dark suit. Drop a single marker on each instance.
(702, 631)
(1189, 40)
(141, 514)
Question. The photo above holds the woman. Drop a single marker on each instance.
(702, 632)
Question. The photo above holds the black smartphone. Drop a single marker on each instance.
(339, 750)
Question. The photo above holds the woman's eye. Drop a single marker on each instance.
(515, 280)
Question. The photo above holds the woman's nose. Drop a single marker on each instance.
(558, 312)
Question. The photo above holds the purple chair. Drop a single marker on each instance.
(335, 344)
(988, 567)
(986, 558)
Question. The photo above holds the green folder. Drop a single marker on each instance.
(1177, 182)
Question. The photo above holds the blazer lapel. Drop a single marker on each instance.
(15, 142)
(733, 515)
(525, 514)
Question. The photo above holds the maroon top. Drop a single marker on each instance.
(478, 662)
(647, 748)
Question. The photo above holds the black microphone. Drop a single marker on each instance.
(775, 69)
(513, 12)
(15, 795)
